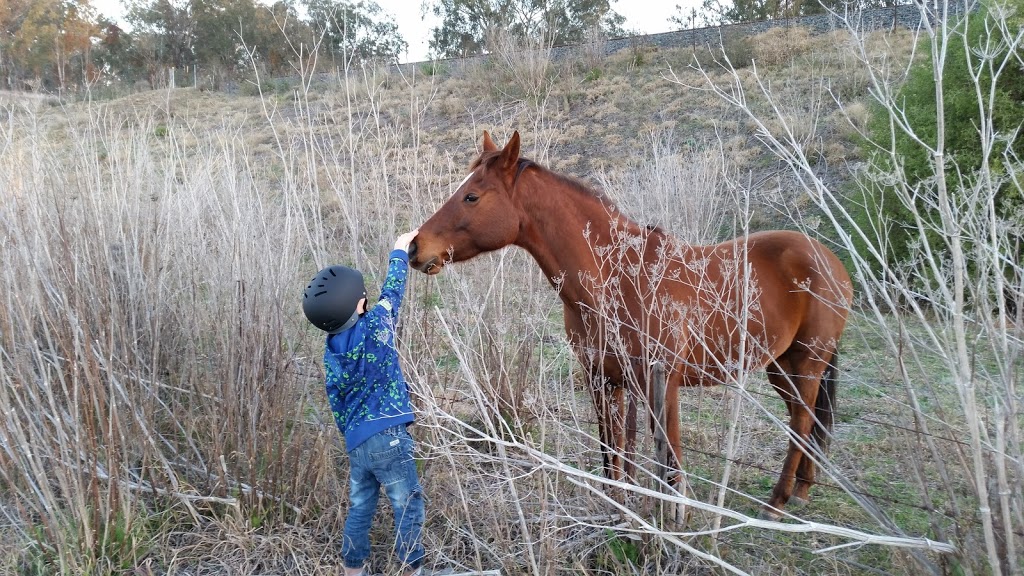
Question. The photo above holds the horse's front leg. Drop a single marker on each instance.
(623, 425)
(629, 447)
(673, 434)
(611, 418)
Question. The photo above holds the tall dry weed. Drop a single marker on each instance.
(149, 342)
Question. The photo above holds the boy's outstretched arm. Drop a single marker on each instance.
(398, 269)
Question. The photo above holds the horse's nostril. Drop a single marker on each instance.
(428, 266)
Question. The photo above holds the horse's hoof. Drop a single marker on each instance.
(769, 513)
(797, 502)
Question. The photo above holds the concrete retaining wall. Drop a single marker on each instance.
(906, 16)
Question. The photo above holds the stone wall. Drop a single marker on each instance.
(906, 16)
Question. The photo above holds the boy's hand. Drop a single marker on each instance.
(405, 239)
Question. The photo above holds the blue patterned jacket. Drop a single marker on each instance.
(365, 386)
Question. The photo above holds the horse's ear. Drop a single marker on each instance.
(489, 145)
(510, 155)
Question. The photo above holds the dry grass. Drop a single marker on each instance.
(780, 46)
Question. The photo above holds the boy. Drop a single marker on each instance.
(370, 401)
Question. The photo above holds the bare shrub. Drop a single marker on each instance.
(593, 48)
(734, 50)
(679, 190)
(523, 64)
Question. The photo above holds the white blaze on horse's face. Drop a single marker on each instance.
(463, 183)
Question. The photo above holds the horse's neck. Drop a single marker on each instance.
(562, 233)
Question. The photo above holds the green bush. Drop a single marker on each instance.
(736, 49)
(433, 68)
(739, 48)
(914, 165)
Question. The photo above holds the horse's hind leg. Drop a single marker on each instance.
(796, 376)
(820, 431)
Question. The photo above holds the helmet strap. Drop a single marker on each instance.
(348, 323)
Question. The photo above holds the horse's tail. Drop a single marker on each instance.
(824, 408)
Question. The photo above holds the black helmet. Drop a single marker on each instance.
(331, 299)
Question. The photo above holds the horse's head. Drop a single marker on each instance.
(478, 218)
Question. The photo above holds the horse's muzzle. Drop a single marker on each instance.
(430, 266)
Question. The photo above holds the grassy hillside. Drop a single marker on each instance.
(164, 394)
(588, 116)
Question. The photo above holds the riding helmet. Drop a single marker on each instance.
(331, 298)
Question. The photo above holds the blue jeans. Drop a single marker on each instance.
(384, 459)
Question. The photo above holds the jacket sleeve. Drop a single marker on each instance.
(393, 290)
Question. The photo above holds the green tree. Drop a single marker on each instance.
(164, 30)
(220, 37)
(278, 36)
(122, 56)
(982, 83)
(717, 12)
(465, 23)
(218, 31)
(46, 43)
(360, 30)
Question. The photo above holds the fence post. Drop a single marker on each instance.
(661, 447)
(674, 513)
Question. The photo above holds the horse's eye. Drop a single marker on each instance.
(471, 198)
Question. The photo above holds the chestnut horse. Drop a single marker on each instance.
(632, 295)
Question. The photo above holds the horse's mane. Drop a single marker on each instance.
(570, 182)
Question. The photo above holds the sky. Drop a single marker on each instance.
(642, 16)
